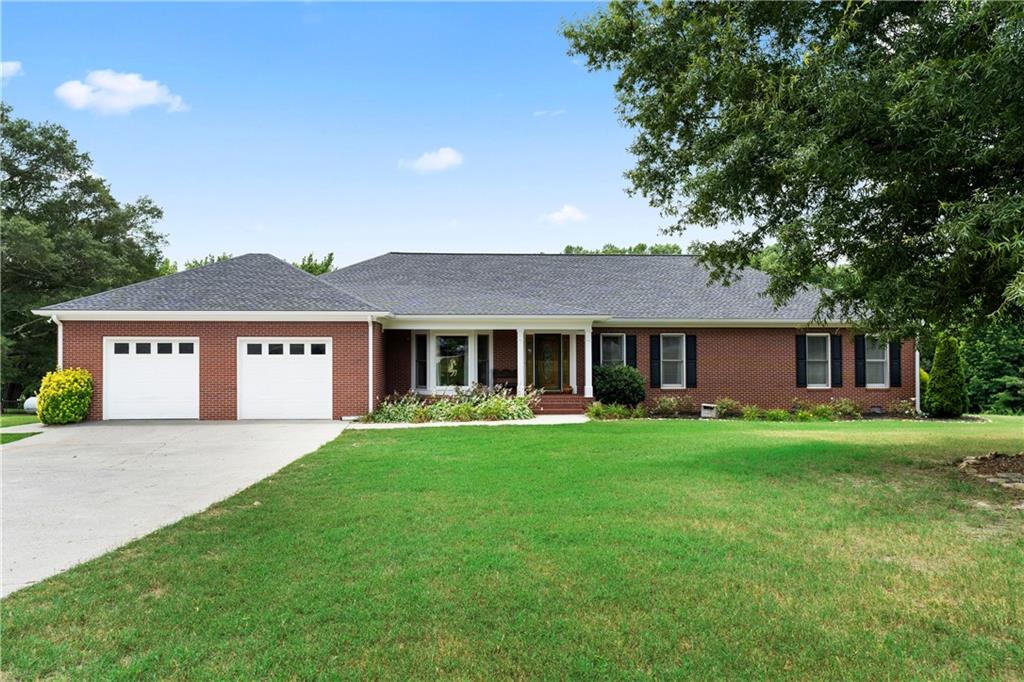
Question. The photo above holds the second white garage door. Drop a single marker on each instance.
(150, 378)
(285, 378)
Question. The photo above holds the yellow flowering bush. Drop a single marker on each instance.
(64, 396)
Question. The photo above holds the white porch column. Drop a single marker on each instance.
(520, 361)
(588, 363)
(369, 366)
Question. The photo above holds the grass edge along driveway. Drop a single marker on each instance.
(651, 548)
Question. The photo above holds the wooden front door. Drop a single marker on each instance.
(547, 356)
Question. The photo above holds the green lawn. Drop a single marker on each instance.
(11, 437)
(652, 548)
(16, 419)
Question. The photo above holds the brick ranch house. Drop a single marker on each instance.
(256, 338)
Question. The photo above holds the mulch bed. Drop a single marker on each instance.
(997, 467)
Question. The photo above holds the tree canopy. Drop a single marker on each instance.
(314, 266)
(885, 137)
(640, 249)
(64, 236)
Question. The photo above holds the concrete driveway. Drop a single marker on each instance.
(75, 492)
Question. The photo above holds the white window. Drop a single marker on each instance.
(613, 349)
(673, 354)
(818, 357)
(452, 364)
(876, 363)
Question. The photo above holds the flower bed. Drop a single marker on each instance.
(477, 404)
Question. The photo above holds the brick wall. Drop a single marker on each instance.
(758, 367)
(83, 347)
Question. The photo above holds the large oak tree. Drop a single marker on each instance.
(887, 138)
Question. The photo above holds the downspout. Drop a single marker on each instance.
(917, 377)
(369, 364)
(60, 340)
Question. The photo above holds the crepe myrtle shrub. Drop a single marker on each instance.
(618, 385)
(671, 406)
(614, 411)
(946, 396)
(64, 396)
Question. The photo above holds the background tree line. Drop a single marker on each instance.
(64, 235)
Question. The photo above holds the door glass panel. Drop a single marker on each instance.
(547, 356)
(164, 348)
(566, 369)
(254, 349)
(275, 349)
(296, 349)
(120, 349)
(142, 349)
(318, 349)
(186, 348)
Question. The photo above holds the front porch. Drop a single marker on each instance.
(556, 361)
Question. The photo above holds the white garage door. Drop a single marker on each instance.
(150, 378)
(285, 378)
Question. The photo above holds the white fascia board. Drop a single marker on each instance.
(214, 315)
(471, 322)
(708, 323)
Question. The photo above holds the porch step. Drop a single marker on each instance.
(562, 403)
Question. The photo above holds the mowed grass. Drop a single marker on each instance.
(11, 437)
(627, 550)
(17, 419)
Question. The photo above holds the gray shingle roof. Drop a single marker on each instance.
(253, 282)
(623, 287)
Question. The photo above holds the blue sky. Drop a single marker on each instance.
(357, 129)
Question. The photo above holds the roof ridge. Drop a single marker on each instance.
(509, 253)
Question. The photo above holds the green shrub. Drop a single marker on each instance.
(671, 406)
(947, 387)
(845, 408)
(903, 408)
(777, 415)
(64, 396)
(752, 413)
(599, 410)
(618, 384)
(727, 407)
(1009, 396)
(923, 374)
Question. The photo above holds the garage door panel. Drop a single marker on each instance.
(162, 383)
(285, 378)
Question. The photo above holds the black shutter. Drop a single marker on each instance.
(895, 366)
(595, 350)
(859, 371)
(837, 361)
(691, 361)
(655, 360)
(631, 350)
(801, 360)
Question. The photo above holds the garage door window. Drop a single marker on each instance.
(120, 349)
(275, 349)
(296, 349)
(318, 349)
(142, 349)
(186, 348)
(254, 348)
(165, 348)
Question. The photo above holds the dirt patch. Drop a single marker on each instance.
(1000, 468)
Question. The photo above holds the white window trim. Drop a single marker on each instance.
(885, 366)
(828, 361)
(661, 343)
(600, 348)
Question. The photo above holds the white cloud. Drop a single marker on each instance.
(548, 113)
(432, 162)
(110, 92)
(567, 214)
(9, 70)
